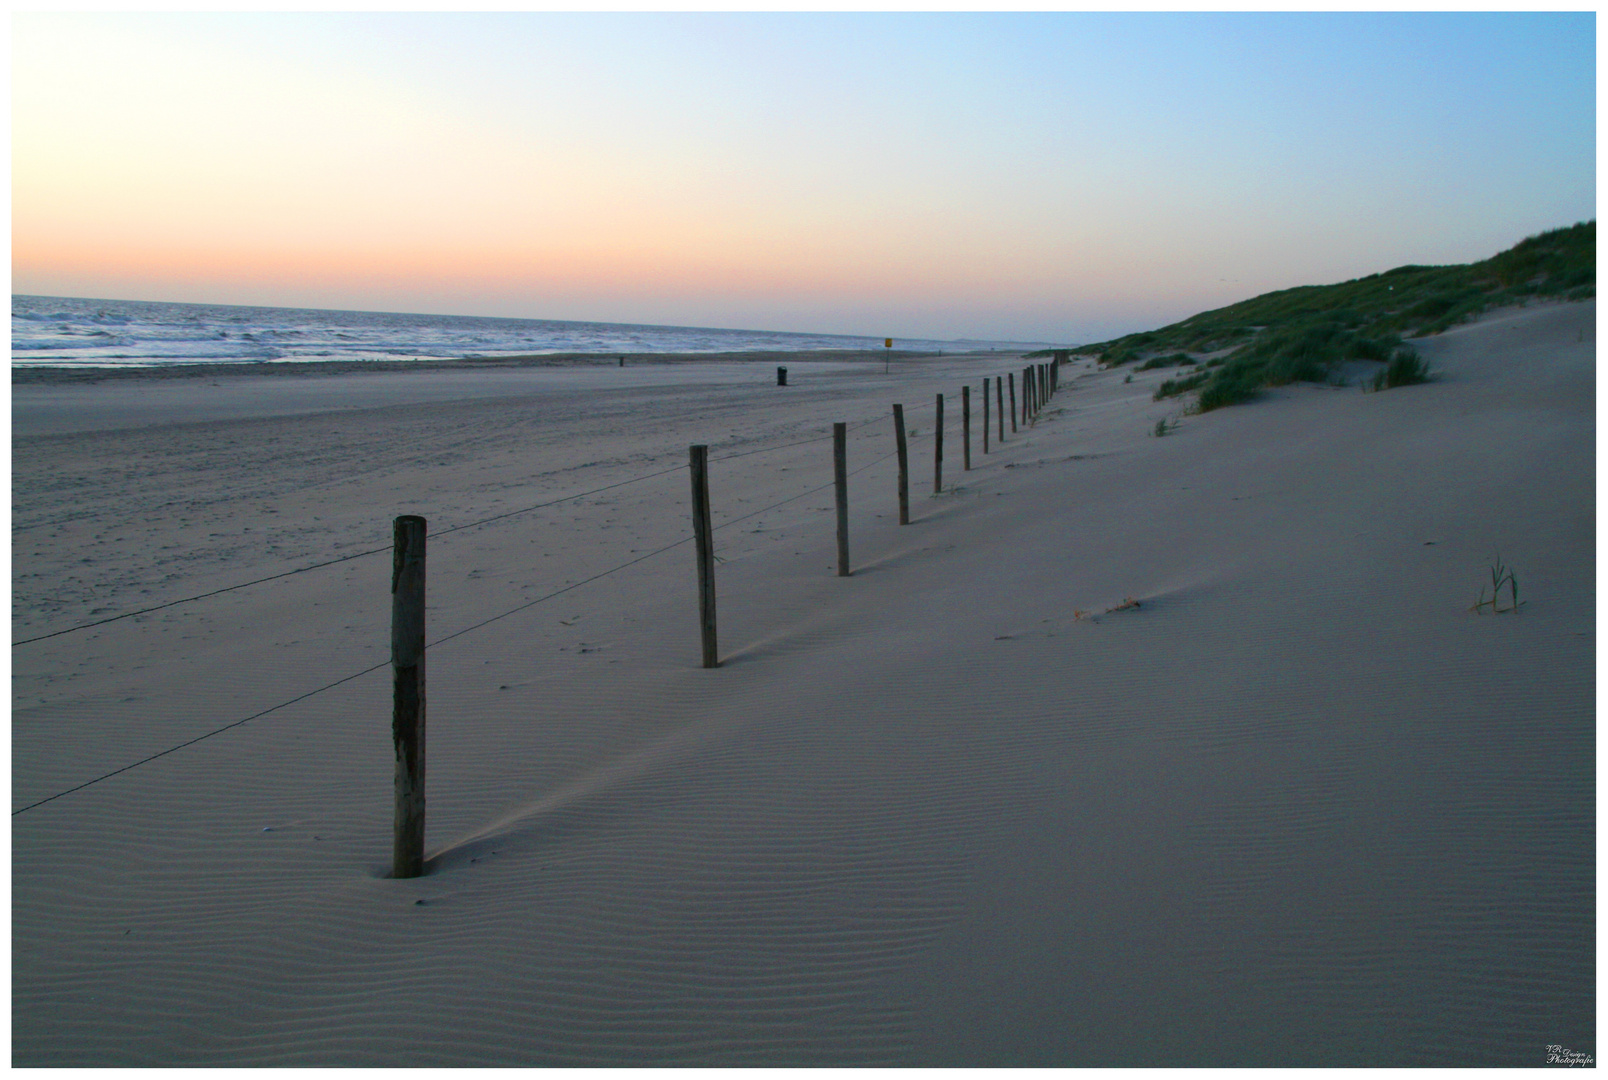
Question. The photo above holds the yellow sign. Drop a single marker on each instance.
(888, 344)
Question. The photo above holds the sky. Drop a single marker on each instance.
(1061, 177)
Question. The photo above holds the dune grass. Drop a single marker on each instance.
(1302, 334)
(1175, 387)
(1405, 368)
(1176, 359)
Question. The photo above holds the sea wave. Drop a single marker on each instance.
(118, 333)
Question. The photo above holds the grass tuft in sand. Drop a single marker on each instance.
(1500, 575)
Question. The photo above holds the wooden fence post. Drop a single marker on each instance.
(986, 417)
(904, 464)
(999, 404)
(1013, 402)
(965, 428)
(938, 450)
(407, 693)
(840, 480)
(703, 534)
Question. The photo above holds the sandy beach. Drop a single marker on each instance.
(1297, 805)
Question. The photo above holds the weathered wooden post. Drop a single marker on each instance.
(904, 464)
(985, 415)
(1027, 394)
(938, 450)
(999, 404)
(704, 537)
(1013, 402)
(407, 693)
(840, 479)
(965, 428)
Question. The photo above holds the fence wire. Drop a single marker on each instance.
(465, 630)
(432, 535)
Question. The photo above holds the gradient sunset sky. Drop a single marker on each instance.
(1046, 177)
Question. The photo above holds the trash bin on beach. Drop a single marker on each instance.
(781, 376)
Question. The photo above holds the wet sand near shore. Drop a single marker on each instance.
(38, 373)
(58, 400)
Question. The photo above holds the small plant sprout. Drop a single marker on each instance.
(1500, 575)
(1161, 427)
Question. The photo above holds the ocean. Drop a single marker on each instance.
(59, 331)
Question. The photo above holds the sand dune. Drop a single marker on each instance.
(1299, 806)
